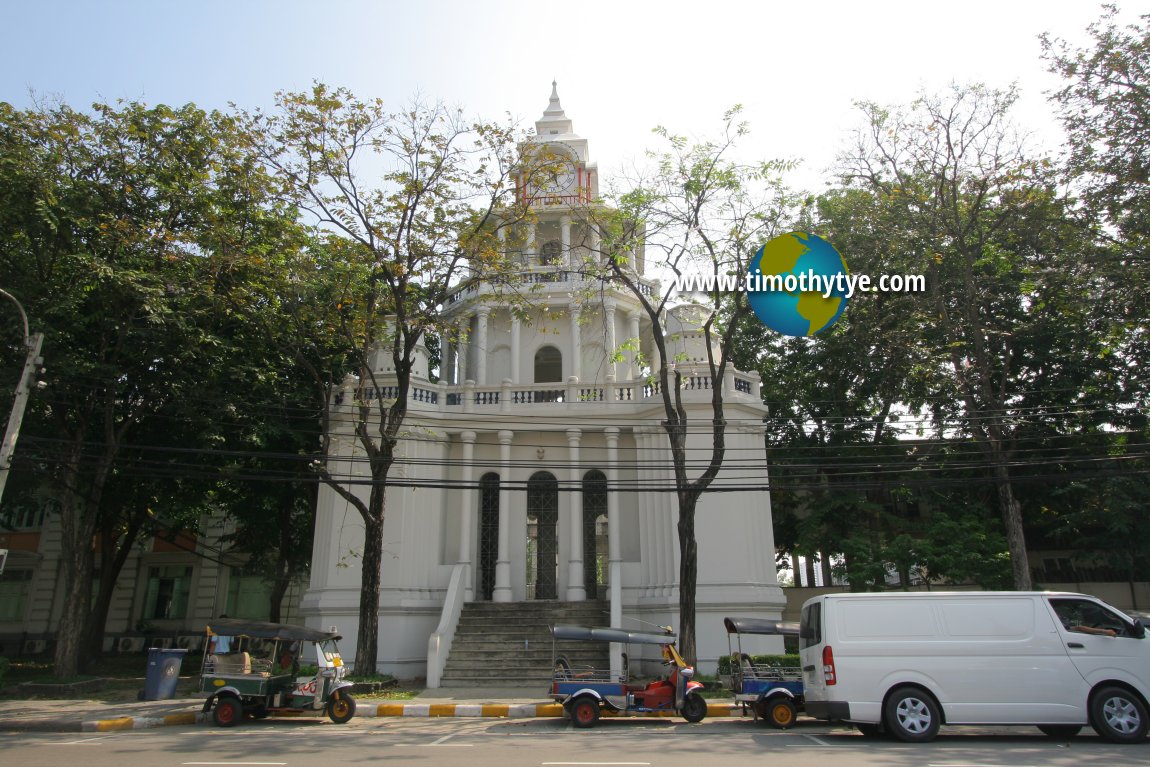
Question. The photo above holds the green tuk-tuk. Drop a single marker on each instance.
(253, 668)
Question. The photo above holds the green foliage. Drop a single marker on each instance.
(787, 660)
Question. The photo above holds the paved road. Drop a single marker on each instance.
(551, 743)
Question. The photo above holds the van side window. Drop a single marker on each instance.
(1084, 616)
(811, 625)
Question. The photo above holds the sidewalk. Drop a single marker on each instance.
(96, 716)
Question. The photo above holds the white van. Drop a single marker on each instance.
(906, 663)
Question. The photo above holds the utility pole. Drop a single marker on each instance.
(32, 342)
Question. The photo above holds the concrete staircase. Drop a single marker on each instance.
(509, 644)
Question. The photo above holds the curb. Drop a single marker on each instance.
(505, 710)
(416, 710)
(140, 722)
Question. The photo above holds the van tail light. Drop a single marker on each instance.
(829, 666)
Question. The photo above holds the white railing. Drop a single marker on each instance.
(439, 643)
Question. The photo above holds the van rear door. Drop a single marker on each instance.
(810, 650)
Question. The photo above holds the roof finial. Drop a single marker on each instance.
(554, 107)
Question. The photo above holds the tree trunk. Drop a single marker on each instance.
(1012, 520)
(688, 579)
(76, 562)
(367, 641)
(114, 552)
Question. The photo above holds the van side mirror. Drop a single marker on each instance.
(1139, 629)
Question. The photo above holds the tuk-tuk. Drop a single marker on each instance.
(252, 668)
(773, 693)
(584, 693)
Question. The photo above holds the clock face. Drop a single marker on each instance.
(558, 182)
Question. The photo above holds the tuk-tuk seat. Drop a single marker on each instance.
(237, 663)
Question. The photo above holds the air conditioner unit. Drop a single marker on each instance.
(164, 643)
(189, 641)
(35, 646)
(130, 644)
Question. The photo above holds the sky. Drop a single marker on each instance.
(623, 67)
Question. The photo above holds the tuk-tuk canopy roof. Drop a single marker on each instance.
(760, 626)
(611, 635)
(237, 627)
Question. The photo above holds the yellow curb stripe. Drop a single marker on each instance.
(549, 709)
(720, 709)
(111, 725)
(441, 709)
(494, 709)
(389, 709)
(189, 718)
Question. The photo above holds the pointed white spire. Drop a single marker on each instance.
(554, 121)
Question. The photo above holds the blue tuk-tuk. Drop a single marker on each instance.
(773, 693)
(585, 693)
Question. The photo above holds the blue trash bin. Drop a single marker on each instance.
(163, 673)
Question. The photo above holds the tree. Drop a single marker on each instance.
(120, 226)
(699, 210)
(1105, 108)
(409, 200)
(1005, 267)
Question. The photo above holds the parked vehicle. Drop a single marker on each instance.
(237, 684)
(586, 692)
(773, 693)
(906, 663)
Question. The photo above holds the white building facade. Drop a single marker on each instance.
(536, 468)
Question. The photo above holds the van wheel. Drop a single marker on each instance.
(911, 715)
(1060, 730)
(1118, 715)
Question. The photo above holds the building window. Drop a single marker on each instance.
(594, 532)
(15, 586)
(249, 596)
(488, 533)
(548, 365)
(551, 254)
(167, 595)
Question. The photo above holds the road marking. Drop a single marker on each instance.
(86, 740)
(817, 740)
(443, 741)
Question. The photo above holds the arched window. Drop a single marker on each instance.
(542, 541)
(594, 532)
(488, 533)
(548, 365)
(551, 254)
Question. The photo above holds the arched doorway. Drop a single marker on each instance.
(594, 532)
(548, 365)
(488, 533)
(542, 541)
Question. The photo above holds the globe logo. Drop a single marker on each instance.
(794, 284)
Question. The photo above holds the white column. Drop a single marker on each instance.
(482, 315)
(614, 560)
(502, 561)
(565, 239)
(596, 256)
(529, 246)
(634, 355)
(612, 343)
(515, 336)
(575, 590)
(469, 506)
(576, 343)
(451, 367)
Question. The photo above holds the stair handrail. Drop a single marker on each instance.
(439, 643)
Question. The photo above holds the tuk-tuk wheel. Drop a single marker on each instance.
(228, 712)
(341, 708)
(781, 713)
(584, 712)
(694, 708)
